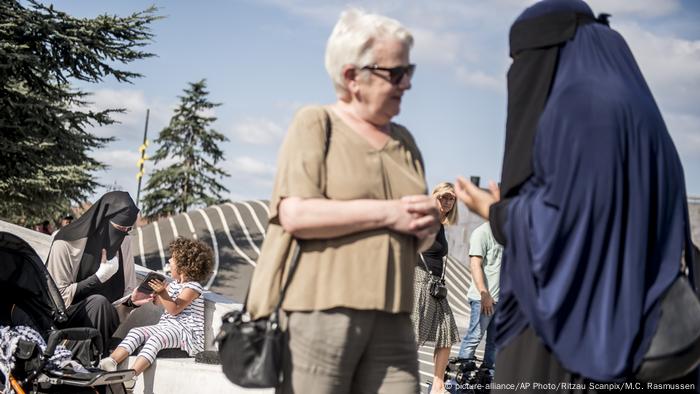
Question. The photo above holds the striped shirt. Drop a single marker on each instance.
(191, 319)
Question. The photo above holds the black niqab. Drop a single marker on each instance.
(534, 47)
(116, 207)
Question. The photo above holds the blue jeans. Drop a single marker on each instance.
(479, 324)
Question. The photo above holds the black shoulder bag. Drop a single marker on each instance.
(437, 287)
(675, 347)
(251, 350)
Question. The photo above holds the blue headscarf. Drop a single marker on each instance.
(595, 231)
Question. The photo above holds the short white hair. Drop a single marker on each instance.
(353, 38)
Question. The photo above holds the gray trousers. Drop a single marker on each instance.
(349, 351)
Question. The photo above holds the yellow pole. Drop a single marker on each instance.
(143, 158)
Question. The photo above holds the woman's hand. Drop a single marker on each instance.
(426, 215)
(477, 200)
(158, 286)
(417, 215)
(138, 298)
(107, 268)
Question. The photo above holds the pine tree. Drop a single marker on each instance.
(191, 181)
(46, 157)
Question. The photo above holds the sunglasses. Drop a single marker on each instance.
(395, 73)
(447, 197)
(121, 228)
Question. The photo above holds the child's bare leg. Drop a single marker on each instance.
(119, 354)
(141, 364)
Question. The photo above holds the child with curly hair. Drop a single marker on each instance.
(182, 323)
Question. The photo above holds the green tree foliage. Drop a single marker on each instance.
(45, 161)
(192, 146)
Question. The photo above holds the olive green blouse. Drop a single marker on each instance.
(370, 270)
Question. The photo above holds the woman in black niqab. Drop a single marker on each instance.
(89, 286)
(594, 216)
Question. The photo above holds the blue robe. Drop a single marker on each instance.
(595, 235)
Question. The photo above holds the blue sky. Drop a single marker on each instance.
(263, 60)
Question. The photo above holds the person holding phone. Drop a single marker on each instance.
(144, 286)
(592, 211)
(91, 262)
(182, 324)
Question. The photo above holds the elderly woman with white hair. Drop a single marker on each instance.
(350, 190)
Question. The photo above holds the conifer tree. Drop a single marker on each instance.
(191, 145)
(47, 154)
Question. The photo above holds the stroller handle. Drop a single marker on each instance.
(73, 334)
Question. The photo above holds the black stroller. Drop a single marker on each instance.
(29, 297)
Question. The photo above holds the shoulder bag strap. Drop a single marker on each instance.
(444, 267)
(424, 264)
(297, 249)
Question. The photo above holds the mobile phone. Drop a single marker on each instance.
(475, 180)
(144, 287)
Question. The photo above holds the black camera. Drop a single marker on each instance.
(438, 289)
(464, 377)
(459, 370)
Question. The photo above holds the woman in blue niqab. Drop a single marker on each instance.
(593, 214)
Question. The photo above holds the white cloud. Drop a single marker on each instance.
(479, 79)
(120, 159)
(464, 39)
(251, 177)
(167, 162)
(320, 11)
(121, 170)
(290, 106)
(248, 166)
(207, 112)
(643, 8)
(685, 131)
(258, 131)
(410, 12)
(444, 31)
(432, 47)
(108, 98)
(671, 66)
(132, 121)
